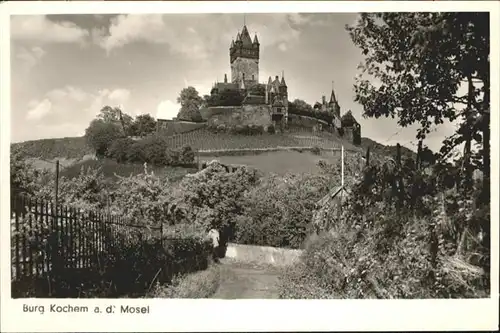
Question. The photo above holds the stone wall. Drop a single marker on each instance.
(258, 115)
(171, 127)
(316, 125)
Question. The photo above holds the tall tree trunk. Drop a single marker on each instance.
(467, 181)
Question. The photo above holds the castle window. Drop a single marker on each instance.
(278, 110)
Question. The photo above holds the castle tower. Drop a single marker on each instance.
(244, 58)
(333, 104)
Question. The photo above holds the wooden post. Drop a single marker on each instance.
(57, 183)
(342, 167)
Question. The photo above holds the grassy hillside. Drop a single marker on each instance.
(204, 139)
(383, 150)
(111, 168)
(281, 162)
(70, 148)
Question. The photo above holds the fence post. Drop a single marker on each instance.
(57, 183)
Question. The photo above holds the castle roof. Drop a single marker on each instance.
(255, 40)
(245, 37)
(332, 97)
(283, 83)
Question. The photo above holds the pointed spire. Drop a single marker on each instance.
(283, 83)
(255, 40)
(238, 37)
(225, 78)
(232, 43)
(333, 100)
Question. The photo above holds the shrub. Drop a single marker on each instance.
(190, 112)
(271, 129)
(316, 150)
(187, 156)
(212, 198)
(420, 242)
(278, 211)
(118, 150)
(101, 134)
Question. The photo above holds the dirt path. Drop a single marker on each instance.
(244, 280)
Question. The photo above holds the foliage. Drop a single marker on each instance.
(142, 199)
(100, 134)
(403, 233)
(24, 178)
(189, 96)
(153, 149)
(114, 115)
(201, 284)
(421, 60)
(111, 169)
(134, 257)
(118, 149)
(189, 112)
(212, 198)
(278, 211)
(143, 125)
(226, 97)
(257, 90)
(301, 108)
(250, 129)
(298, 106)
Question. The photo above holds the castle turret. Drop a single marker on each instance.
(225, 78)
(244, 58)
(333, 104)
(255, 41)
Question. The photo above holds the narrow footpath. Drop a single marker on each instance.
(246, 281)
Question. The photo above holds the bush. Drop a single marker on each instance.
(190, 112)
(212, 198)
(271, 129)
(118, 150)
(100, 135)
(278, 211)
(425, 241)
(316, 150)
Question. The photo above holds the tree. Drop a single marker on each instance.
(101, 134)
(189, 112)
(116, 116)
(143, 125)
(189, 95)
(299, 105)
(420, 61)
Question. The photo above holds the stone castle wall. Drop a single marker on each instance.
(258, 115)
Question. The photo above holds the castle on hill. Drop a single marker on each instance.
(267, 103)
(244, 56)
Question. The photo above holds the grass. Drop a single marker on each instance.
(69, 148)
(280, 162)
(110, 168)
(201, 284)
(204, 139)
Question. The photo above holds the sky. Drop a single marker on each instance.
(65, 68)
